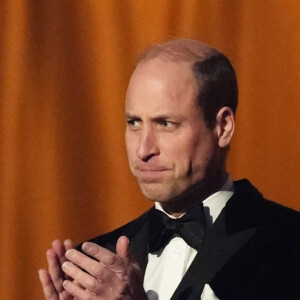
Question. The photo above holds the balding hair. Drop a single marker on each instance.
(212, 70)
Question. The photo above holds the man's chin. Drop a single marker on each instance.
(158, 191)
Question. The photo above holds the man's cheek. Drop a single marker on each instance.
(181, 168)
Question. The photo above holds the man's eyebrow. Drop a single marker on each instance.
(163, 116)
(167, 116)
(131, 116)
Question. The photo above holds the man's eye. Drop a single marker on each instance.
(133, 123)
(165, 124)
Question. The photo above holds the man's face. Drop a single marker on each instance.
(168, 145)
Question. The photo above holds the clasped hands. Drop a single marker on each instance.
(74, 275)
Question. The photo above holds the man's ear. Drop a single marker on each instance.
(225, 125)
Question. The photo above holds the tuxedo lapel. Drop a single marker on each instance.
(231, 231)
(139, 245)
(137, 233)
(217, 250)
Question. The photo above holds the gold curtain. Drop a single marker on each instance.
(64, 67)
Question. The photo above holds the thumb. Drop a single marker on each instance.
(122, 247)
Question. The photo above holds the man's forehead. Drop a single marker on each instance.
(156, 63)
(162, 73)
(161, 107)
(160, 84)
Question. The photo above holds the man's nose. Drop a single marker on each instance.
(148, 146)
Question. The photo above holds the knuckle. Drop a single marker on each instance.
(122, 275)
(111, 259)
(98, 271)
(92, 284)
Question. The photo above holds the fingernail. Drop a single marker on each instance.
(66, 283)
(66, 265)
(86, 247)
(68, 241)
(40, 273)
(70, 253)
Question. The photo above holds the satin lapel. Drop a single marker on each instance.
(137, 233)
(138, 245)
(236, 224)
(217, 250)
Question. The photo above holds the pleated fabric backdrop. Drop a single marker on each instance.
(64, 68)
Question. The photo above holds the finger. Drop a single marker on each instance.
(68, 244)
(111, 260)
(47, 285)
(86, 280)
(93, 267)
(60, 250)
(123, 250)
(54, 268)
(122, 247)
(78, 292)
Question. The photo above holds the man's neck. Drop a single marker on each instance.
(194, 195)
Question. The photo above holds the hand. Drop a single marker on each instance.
(52, 279)
(111, 276)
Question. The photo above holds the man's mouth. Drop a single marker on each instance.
(148, 175)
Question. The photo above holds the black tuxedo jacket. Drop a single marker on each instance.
(252, 251)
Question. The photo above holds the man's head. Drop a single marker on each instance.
(180, 108)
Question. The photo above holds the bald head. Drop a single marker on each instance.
(212, 71)
(180, 50)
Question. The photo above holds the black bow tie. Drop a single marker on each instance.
(191, 227)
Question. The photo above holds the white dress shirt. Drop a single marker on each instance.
(166, 268)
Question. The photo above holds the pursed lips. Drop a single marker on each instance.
(150, 174)
(156, 169)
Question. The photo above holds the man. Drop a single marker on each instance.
(206, 238)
